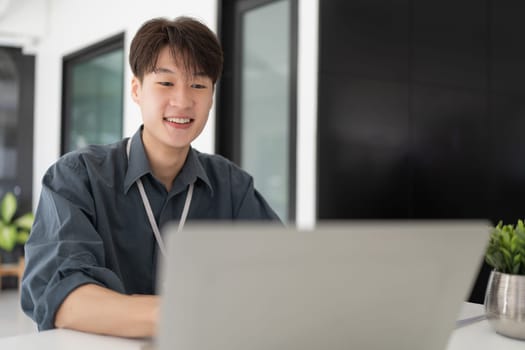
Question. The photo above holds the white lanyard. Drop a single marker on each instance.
(149, 212)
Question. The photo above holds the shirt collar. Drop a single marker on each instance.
(138, 166)
(193, 170)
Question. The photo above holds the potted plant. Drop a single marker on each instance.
(505, 296)
(13, 232)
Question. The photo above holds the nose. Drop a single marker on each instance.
(181, 97)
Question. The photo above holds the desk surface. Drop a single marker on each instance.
(479, 336)
(58, 339)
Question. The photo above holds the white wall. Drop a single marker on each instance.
(51, 29)
(307, 69)
(22, 22)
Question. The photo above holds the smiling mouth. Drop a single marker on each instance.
(179, 120)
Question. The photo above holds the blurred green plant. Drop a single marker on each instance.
(506, 249)
(13, 232)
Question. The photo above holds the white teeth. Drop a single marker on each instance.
(179, 120)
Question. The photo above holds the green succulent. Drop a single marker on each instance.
(13, 232)
(506, 249)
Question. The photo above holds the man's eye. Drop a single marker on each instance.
(198, 86)
(165, 83)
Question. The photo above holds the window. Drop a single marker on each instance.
(92, 110)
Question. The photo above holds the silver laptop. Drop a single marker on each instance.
(344, 285)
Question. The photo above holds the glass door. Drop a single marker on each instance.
(259, 91)
(16, 125)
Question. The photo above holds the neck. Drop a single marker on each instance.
(165, 162)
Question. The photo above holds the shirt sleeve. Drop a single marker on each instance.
(251, 204)
(64, 250)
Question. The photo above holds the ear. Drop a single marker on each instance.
(136, 86)
(213, 96)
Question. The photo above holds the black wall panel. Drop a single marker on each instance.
(506, 168)
(449, 133)
(421, 111)
(449, 43)
(368, 38)
(507, 49)
(369, 161)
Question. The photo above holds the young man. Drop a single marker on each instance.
(91, 257)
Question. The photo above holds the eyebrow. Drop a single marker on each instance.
(158, 70)
(162, 70)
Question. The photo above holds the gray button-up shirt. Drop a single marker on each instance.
(91, 226)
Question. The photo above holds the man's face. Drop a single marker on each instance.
(174, 104)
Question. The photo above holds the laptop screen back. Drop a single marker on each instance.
(364, 285)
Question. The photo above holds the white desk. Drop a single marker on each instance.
(59, 339)
(477, 336)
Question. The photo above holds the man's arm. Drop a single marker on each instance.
(251, 204)
(95, 309)
(66, 259)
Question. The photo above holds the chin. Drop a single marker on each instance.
(178, 145)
